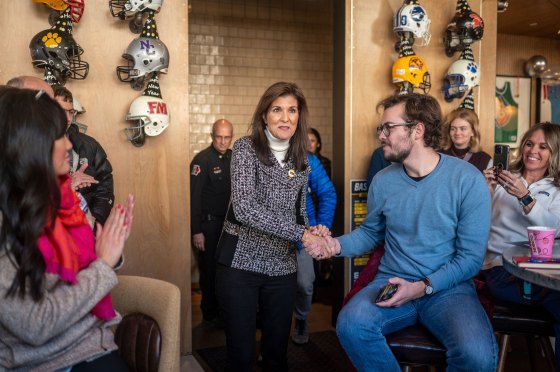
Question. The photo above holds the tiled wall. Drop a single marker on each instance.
(237, 48)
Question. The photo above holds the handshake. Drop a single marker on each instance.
(318, 242)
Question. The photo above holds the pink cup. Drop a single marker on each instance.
(541, 241)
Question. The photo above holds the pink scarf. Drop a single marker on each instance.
(69, 245)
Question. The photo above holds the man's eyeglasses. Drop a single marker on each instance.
(71, 111)
(386, 127)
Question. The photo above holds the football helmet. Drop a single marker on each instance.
(128, 8)
(462, 76)
(144, 55)
(410, 72)
(465, 28)
(411, 21)
(150, 117)
(60, 52)
(54, 4)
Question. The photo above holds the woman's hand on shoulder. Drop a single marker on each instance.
(111, 237)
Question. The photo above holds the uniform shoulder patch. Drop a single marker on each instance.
(195, 171)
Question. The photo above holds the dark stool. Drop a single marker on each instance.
(534, 322)
(415, 346)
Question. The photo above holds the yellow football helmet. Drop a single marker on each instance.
(410, 72)
(55, 4)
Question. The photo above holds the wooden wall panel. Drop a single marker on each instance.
(157, 172)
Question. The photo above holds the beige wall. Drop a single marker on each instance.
(239, 48)
(155, 173)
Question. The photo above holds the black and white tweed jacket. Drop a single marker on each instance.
(266, 216)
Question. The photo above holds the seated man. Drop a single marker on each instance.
(433, 212)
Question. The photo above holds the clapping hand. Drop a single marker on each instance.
(111, 237)
(81, 179)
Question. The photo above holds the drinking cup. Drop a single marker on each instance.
(541, 241)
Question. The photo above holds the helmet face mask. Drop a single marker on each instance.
(123, 9)
(59, 52)
(462, 76)
(412, 23)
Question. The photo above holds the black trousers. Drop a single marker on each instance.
(207, 267)
(240, 292)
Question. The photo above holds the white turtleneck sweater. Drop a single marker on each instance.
(278, 147)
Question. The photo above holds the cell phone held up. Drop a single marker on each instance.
(501, 158)
(386, 292)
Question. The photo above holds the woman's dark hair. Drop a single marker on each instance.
(552, 137)
(315, 132)
(419, 108)
(298, 143)
(30, 122)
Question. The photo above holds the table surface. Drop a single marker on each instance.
(546, 277)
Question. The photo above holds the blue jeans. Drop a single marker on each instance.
(507, 287)
(305, 278)
(454, 316)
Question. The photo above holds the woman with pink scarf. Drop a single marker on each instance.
(55, 276)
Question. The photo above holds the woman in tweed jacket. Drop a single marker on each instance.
(267, 217)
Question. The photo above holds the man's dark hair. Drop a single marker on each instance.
(60, 91)
(419, 108)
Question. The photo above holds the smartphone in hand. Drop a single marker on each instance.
(501, 158)
(386, 292)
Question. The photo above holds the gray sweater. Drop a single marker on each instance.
(59, 330)
(267, 214)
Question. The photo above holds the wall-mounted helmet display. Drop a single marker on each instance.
(144, 55)
(411, 23)
(60, 52)
(410, 72)
(149, 114)
(53, 4)
(462, 76)
(123, 9)
(465, 28)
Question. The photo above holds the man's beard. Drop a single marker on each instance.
(401, 153)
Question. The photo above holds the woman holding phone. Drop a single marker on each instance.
(528, 194)
(462, 138)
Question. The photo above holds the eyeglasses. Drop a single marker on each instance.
(386, 127)
(71, 111)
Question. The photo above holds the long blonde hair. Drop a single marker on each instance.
(470, 117)
(552, 137)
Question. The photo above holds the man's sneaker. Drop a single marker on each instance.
(301, 336)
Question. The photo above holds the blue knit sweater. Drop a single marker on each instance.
(436, 227)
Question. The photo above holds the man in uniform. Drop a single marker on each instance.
(210, 192)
